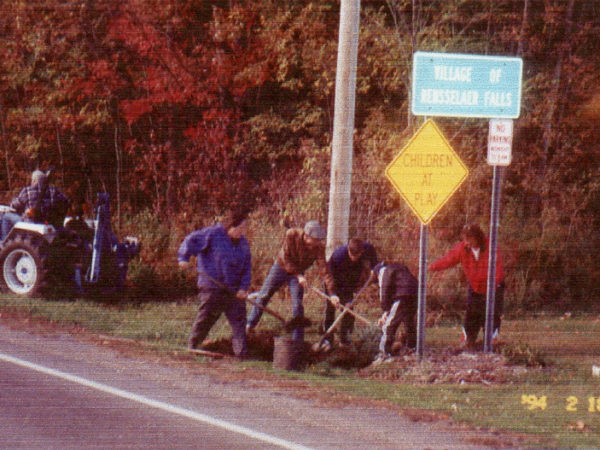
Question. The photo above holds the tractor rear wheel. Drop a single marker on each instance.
(22, 265)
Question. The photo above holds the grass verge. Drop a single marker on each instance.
(553, 406)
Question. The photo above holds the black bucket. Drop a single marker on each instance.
(287, 353)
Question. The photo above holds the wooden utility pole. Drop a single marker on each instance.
(343, 126)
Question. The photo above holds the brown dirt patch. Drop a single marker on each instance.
(448, 366)
(439, 365)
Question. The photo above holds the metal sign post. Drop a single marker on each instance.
(491, 276)
(422, 290)
(456, 85)
(499, 155)
(426, 173)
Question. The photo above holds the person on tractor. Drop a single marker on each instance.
(39, 202)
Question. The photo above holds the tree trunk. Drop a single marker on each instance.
(5, 146)
(554, 96)
(60, 155)
(118, 177)
(523, 28)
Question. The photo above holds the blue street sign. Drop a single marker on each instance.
(446, 84)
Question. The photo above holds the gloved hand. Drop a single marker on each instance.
(302, 281)
(335, 300)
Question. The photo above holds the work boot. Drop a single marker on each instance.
(325, 346)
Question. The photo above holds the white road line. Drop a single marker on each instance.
(154, 403)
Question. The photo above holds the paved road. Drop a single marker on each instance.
(59, 392)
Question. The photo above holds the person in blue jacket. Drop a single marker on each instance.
(224, 268)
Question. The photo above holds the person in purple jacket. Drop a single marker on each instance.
(224, 265)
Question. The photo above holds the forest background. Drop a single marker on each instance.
(181, 109)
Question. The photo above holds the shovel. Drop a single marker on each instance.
(208, 353)
(343, 313)
(288, 325)
(344, 308)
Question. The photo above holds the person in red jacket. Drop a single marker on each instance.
(473, 254)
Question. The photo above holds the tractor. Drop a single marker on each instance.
(81, 256)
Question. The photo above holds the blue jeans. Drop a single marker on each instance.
(276, 278)
(8, 222)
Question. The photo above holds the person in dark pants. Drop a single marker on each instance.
(350, 266)
(398, 293)
(224, 265)
(473, 254)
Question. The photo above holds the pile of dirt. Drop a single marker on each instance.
(260, 345)
(448, 366)
(437, 365)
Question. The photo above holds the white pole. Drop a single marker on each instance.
(343, 126)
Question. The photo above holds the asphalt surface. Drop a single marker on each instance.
(59, 392)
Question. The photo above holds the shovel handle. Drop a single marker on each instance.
(206, 353)
(348, 305)
(264, 308)
(247, 298)
(332, 327)
(344, 308)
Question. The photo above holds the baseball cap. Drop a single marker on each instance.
(314, 230)
(38, 177)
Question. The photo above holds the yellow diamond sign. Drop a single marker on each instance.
(427, 172)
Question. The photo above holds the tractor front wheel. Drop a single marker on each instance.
(22, 262)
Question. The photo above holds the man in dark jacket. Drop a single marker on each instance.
(398, 293)
(224, 264)
(350, 266)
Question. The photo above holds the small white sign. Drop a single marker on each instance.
(500, 142)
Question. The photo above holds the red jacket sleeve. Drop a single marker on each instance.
(451, 259)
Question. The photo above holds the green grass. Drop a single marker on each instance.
(569, 345)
